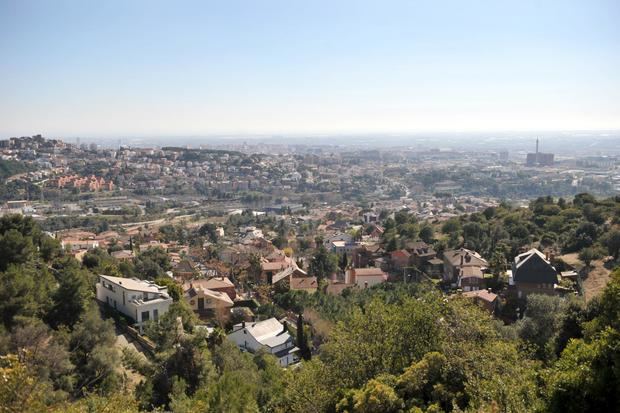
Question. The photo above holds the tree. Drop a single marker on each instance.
(255, 267)
(210, 231)
(24, 291)
(15, 248)
(587, 255)
(188, 360)
(385, 338)
(427, 233)
(70, 298)
(93, 353)
(302, 341)
(175, 291)
(323, 263)
(20, 389)
(541, 323)
(612, 242)
(343, 262)
(374, 397)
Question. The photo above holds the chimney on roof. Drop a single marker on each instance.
(243, 324)
(284, 327)
(461, 259)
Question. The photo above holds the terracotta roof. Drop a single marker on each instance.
(403, 253)
(211, 283)
(275, 266)
(216, 295)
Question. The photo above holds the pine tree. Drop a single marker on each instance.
(302, 342)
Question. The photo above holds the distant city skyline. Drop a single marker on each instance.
(199, 68)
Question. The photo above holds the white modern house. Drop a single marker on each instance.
(268, 334)
(138, 299)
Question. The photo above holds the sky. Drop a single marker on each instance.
(172, 68)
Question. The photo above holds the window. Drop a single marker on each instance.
(145, 316)
(156, 314)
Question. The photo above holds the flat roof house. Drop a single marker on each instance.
(270, 335)
(139, 300)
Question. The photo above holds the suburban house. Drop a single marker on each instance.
(185, 269)
(298, 279)
(471, 279)
(269, 269)
(400, 259)
(270, 335)
(220, 284)
(532, 272)
(365, 277)
(455, 260)
(207, 302)
(434, 267)
(484, 298)
(123, 255)
(79, 244)
(421, 253)
(138, 299)
(376, 232)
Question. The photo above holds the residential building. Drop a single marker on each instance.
(123, 255)
(220, 284)
(270, 335)
(532, 273)
(206, 302)
(471, 279)
(484, 298)
(137, 299)
(365, 277)
(400, 259)
(455, 260)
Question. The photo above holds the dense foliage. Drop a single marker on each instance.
(389, 348)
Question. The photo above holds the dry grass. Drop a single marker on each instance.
(595, 277)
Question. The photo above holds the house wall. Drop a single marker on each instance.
(472, 283)
(361, 280)
(524, 289)
(244, 340)
(121, 300)
(247, 341)
(210, 302)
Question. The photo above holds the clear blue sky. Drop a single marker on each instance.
(114, 68)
